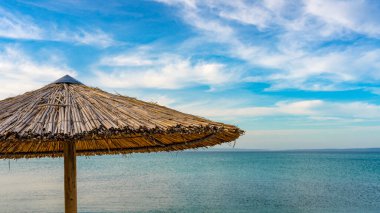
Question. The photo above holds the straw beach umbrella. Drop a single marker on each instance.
(67, 118)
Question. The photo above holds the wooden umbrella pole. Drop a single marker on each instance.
(69, 152)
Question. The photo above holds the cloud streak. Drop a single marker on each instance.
(20, 73)
(18, 26)
(297, 56)
(141, 69)
(311, 109)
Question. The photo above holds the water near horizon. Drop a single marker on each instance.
(199, 182)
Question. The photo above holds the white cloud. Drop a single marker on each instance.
(298, 28)
(126, 60)
(354, 15)
(334, 70)
(84, 37)
(321, 17)
(142, 70)
(312, 109)
(18, 26)
(20, 73)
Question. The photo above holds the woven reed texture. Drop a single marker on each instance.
(38, 123)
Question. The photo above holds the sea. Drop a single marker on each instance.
(204, 181)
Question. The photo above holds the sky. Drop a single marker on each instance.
(294, 74)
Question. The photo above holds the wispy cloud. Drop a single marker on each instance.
(141, 69)
(19, 26)
(20, 73)
(297, 56)
(331, 70)
(311, 109)
(95, 37)
(355, 15)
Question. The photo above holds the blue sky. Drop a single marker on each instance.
(293, 74)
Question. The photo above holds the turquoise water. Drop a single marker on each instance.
(199, 182)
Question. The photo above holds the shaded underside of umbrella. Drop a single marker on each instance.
(37, 124)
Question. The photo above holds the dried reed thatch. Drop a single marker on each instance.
(38, 123)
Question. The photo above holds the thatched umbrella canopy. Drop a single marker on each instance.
(67, 118)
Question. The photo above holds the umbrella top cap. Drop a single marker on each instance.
(67, 80)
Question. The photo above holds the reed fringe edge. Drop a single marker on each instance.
(208, 140)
